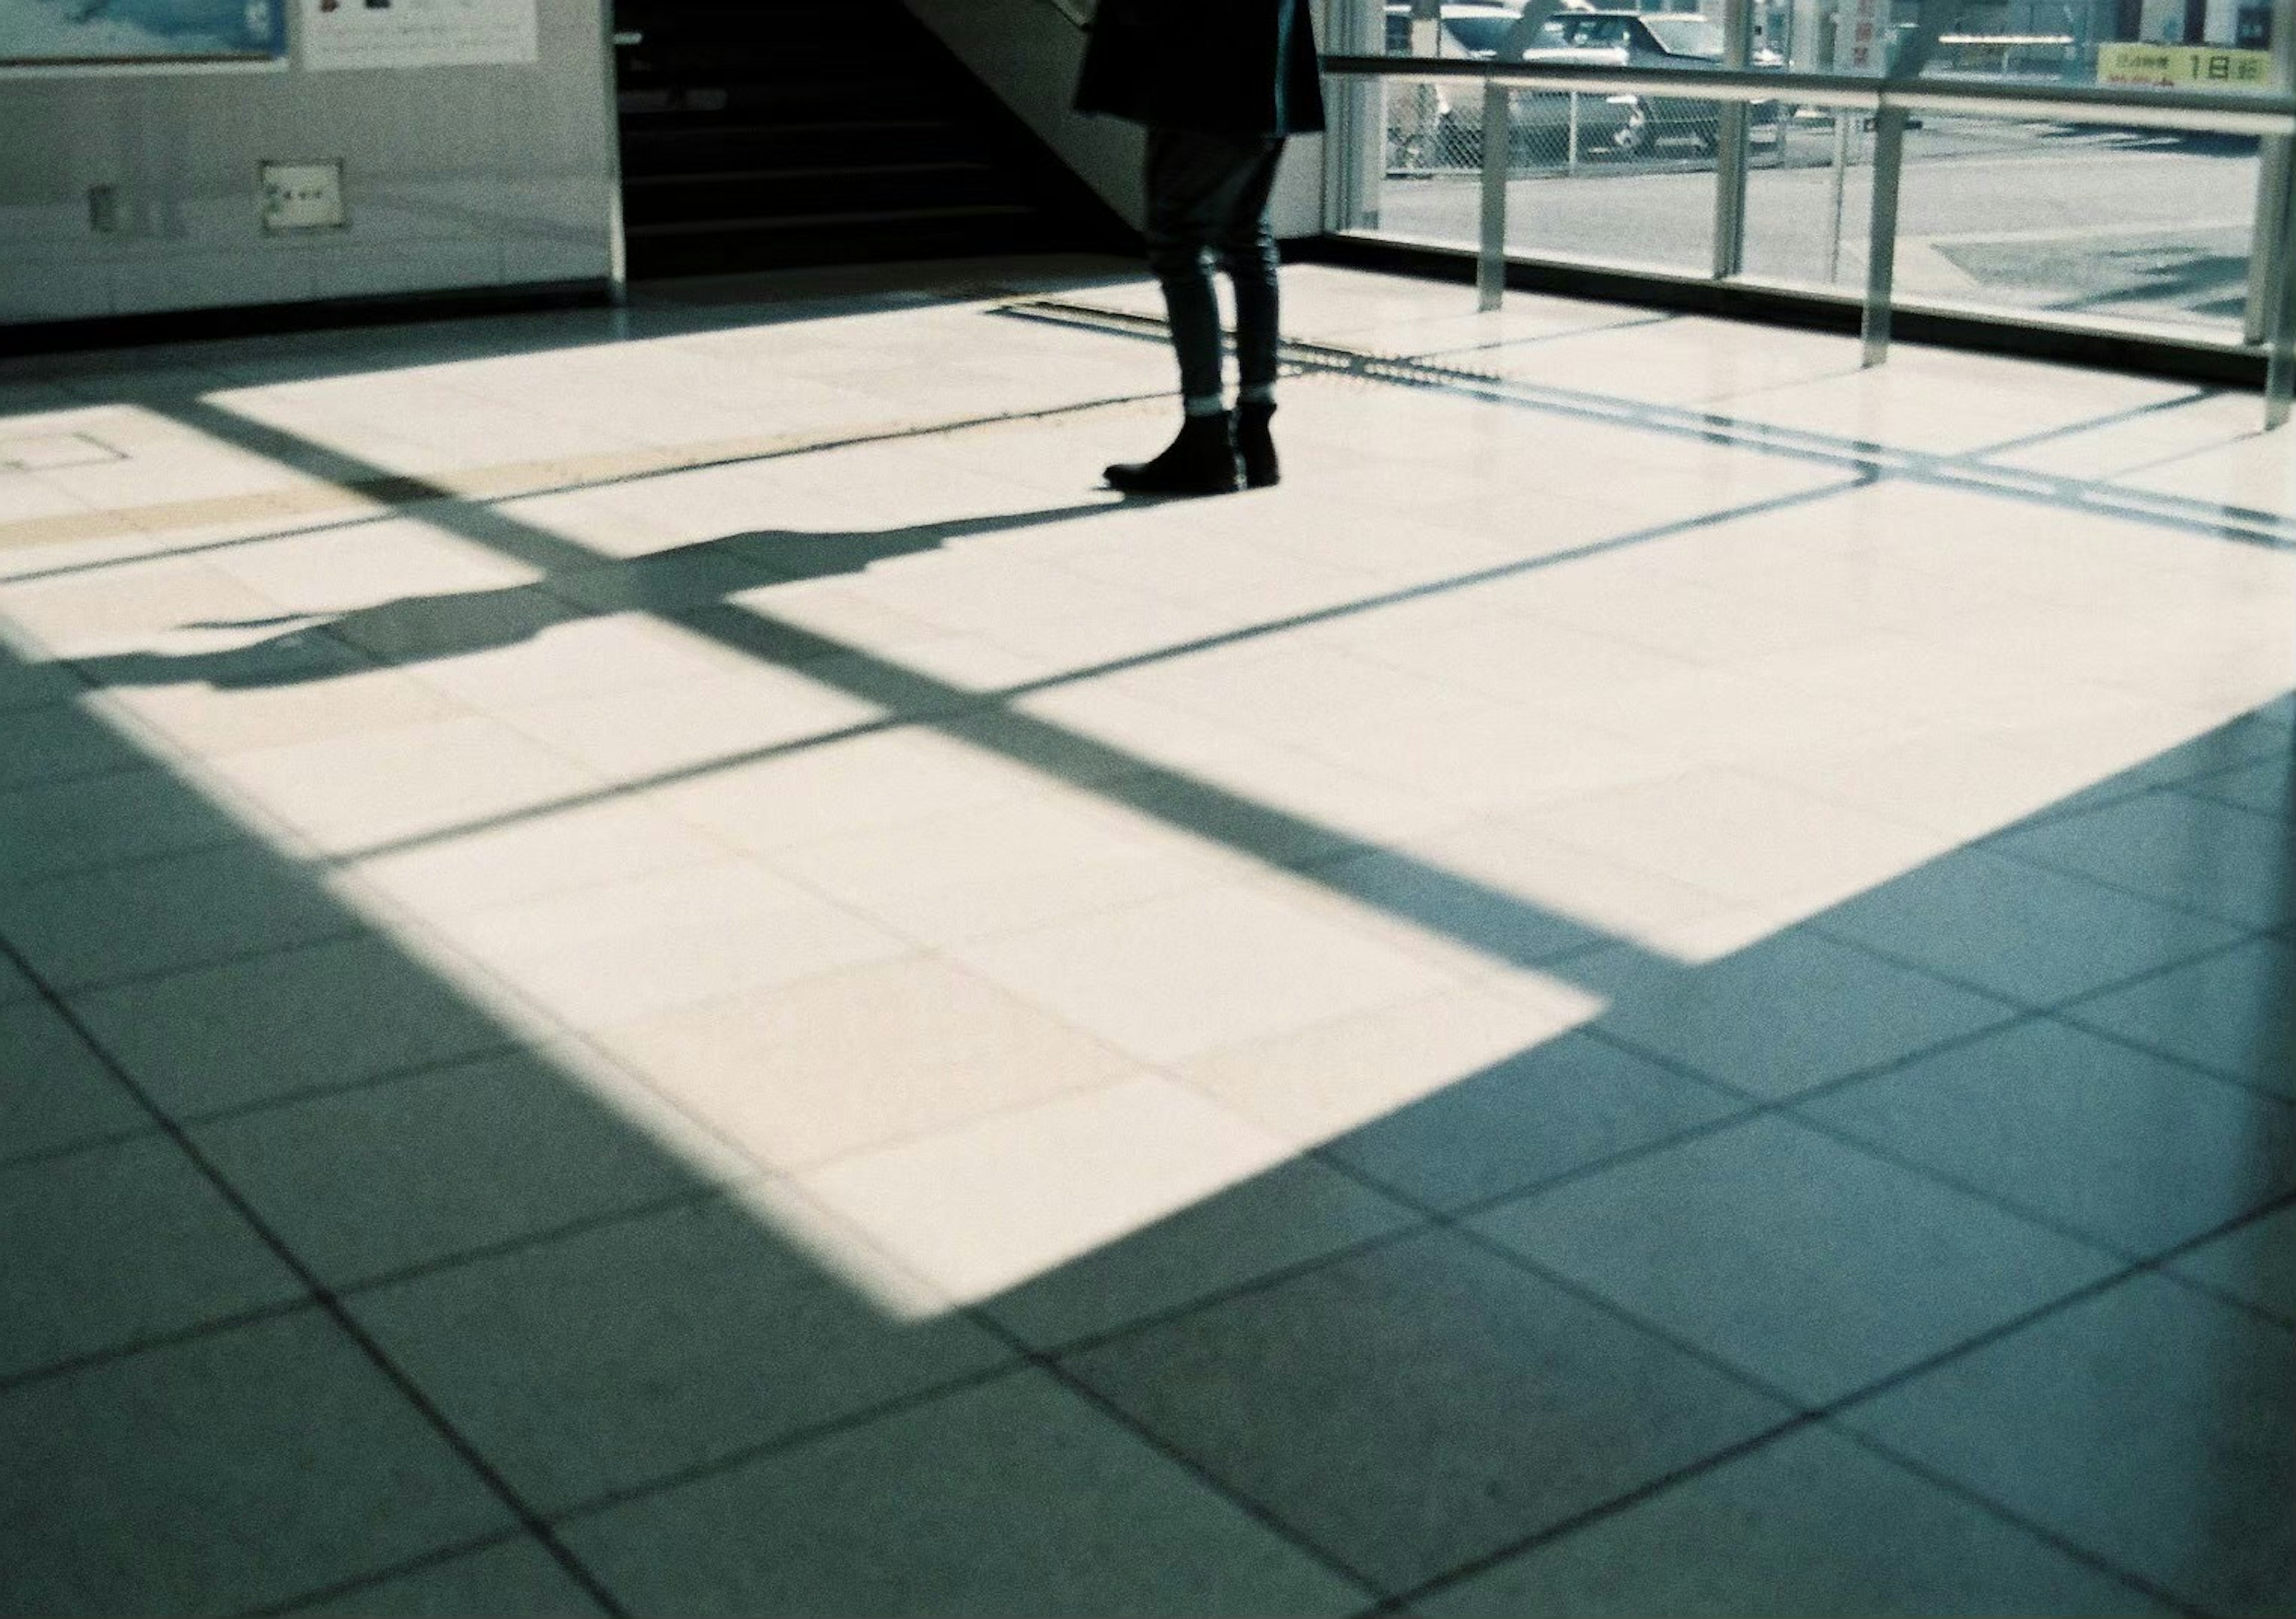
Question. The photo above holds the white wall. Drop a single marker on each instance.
(1028, 51)
(453, 177)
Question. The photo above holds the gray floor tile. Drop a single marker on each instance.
(2150, 1425)
(387, 1177)
(62, 742)
(517, 1579)
(54, 1091)
(2234, 1013)
(2252, 737)
(114, 1245)
(1422, 1405)
(1792, 1012)
(2178, 849)
(1014, 1498)
(1811, 1265)
(2256, 1261)
(2035, 935)
(161, 916)
(1295, 1213)
(1809, 1524)
(1555, 1109)
(221, 1475)
(625, 1354)
(2130, 1150)
(26, 685)
(330, 1014)
(2267, 787)
(77, 826)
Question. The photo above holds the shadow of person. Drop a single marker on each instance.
(309, 647)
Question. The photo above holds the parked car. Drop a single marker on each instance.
(1441, 124)
(1622, 125)
(1680, 41)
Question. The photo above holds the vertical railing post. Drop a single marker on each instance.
(1881, 240)
(617, 237)
(1841, 192)
(1357, 172)
(1498, 144)
(1732, 122)
(2272, 179)
(2280, 336)
(2271, 188)
(1905, 68)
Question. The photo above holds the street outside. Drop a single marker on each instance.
(2135, 225)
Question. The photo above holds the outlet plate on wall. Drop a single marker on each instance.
(303, 196)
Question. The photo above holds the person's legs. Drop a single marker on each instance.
(1194, 182)
(1182, 182)
(1247, 249)
(1248, 253)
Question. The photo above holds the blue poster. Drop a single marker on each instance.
(102, 32)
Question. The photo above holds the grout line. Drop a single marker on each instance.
(352, 930)
(2065, 1010)
(1625, 1502)
(402, 494)
(94, 1143)
(173, 1338)
(2271, 530)
(1049, 1364)
(1001, 701)
(1824, 1410)
(2012, 1515)
(396, 1571)
(793, 1439)
(420, 1271)
(329, 1304)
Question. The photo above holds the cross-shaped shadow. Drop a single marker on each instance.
(285, 1157)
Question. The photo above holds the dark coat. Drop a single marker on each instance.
(1221, 66)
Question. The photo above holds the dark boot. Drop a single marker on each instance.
(1201, 460)
(1256, 444)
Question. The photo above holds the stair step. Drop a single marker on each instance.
(767, 134)
(697, 154)
(711, 103)
(862, 242)
(981, 212)
(817, 171)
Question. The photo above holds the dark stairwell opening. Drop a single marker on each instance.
(764, 135)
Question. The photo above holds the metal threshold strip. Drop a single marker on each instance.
(1861, 458)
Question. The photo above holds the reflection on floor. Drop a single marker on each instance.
(652, 964)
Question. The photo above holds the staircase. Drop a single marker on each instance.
(771, 134)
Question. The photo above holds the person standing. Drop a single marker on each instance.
(1220, 84)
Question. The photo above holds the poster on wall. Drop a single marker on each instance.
(1861, 37)
(340, 34)
(150, 33)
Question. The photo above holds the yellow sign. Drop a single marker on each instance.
(2183, 67)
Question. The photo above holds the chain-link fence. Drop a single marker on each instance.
(1437, 129)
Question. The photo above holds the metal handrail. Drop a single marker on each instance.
(2270, 113)
(2216, 111)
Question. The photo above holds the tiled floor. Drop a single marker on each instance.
(652, 962)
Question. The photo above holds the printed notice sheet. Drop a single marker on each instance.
(79, 32)
(416, 33)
